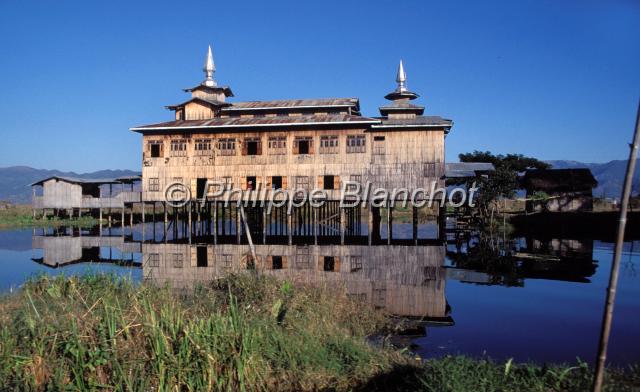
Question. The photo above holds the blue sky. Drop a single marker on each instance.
(551, 79)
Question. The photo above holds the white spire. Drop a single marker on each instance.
(209, 69)
(401, 78)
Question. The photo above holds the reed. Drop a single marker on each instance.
(243, 332)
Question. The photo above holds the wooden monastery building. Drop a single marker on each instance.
(292, 144)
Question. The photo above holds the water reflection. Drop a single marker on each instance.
(519, 297)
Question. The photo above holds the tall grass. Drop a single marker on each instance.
(21, 216)
(241, 333)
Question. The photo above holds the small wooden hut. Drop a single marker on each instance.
(559, 190)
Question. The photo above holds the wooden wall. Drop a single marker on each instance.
(411, 159)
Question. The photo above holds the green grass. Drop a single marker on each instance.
(21, 216)
(239, 333)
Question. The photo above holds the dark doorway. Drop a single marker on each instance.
(276, 182)
(200, 188)
(328, 182)
(303, 146)
(277, 262)
(202, 256)
(251, 182)
(329, 263)
(252, 147)
(155, 151)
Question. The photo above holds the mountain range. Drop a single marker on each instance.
(15, 180)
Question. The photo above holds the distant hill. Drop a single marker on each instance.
(15, 180)
(610, 176)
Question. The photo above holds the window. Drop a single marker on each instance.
(251, 183)
(277, 145)
(429, 170)
(378, 145)
(176, 260)
(329, 263)
(302, 182)
(154, 184)
(354, 178)
(355, 143)
(155, 148)
(154, 260)
(276, 262)
(302, 257)
(225, 260)
(329, 145)
(201, 256)
(201, 183)
(329, 182)
(303, 145)
(228, 182)
(356, 263)
(227, 146)
(179, 148)
(203, 147)
(276, 182)
(252, 146)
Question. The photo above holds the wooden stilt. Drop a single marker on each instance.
(414, 219)
(389, 223)
(289, 227)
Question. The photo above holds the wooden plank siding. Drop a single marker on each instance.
(409, 159)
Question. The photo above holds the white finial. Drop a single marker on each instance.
(401, 78)
(209, 69)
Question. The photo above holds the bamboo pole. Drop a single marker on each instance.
(615, 266)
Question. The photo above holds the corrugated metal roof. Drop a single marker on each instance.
(89, 181)
(248, 122)
(418, 121)
(294, 103)
(212, 102)
(466, 169)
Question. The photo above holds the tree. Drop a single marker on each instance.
(503, 183)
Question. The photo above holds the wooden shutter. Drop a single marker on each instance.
(311, 150)
(320, 263)
(336, 264)
(268, 182)
(194, 256)
(284, 262)
(243, 183)
(269, 263)
(244, 147)
(259, 147)
(296, 147)
(258, 183)
(336, 182)
(162, 149)
(320, 182)
(194, 187)
(284, 182)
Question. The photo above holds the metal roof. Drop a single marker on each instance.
(249, 122)
(211, 102)
(89, 181)
(295, 104)
(417, 122)
(467, 169)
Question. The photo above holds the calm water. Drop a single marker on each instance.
(527, 299)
